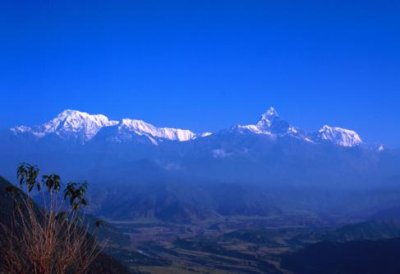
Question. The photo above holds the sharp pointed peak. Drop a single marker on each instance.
(269, 113)
(268, 117)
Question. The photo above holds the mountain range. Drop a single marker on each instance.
(138, 170)
(84, 127)
(270, 151)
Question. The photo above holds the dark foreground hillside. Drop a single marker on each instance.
(103, 264)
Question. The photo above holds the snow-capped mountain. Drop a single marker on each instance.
(270, 150)
(82, 126)
(69, 124)
(127, 128)
(73, 124)
(272, 125)
(118, 157)
(339, 136)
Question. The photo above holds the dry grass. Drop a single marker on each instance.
(45, 241)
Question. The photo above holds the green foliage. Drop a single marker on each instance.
(28, 174)
(52, 182)
(75, 193)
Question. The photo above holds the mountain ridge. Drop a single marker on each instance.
(82, 126)
(269, 154)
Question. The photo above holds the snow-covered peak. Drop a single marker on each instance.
(270, 124)
(73, 124)
(70, 124)
(75, 119)
(270, 113)
(268, 117)
(339, 136)
(142, 128)
(82, 126)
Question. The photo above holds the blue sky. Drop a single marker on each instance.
(204, 65)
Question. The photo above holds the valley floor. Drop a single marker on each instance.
(236, 245)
